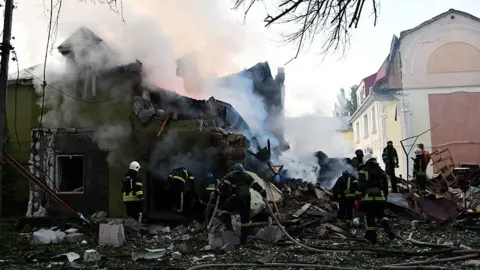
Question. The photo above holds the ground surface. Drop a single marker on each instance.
(16, 251)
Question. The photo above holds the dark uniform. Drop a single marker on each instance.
(419, 172)
(390, 158)
(235, 191)
(357, 161)
(373, 190)
(132, 191)
(344, 191)
(183, 189)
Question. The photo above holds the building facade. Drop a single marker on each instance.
(431, 80)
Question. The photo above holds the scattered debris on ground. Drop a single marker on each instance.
(440, 230)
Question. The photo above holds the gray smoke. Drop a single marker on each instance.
(112, 138)
(171, 152)
(311, 133)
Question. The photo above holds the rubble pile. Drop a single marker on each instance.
(307, 213)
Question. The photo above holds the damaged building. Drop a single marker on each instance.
(115, 117)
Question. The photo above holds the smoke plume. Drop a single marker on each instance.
(157, 33)
(200, 34)
(311, 133)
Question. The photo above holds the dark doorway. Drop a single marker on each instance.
(70, 177)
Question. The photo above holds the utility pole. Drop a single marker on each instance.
(6, 47)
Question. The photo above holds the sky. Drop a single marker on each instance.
(312, 80)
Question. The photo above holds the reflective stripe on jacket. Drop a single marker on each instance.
(132, 189)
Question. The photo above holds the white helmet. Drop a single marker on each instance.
(418, 151)
(135, 166)
(369, 157)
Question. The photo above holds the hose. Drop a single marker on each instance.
(271, 265)
(207, 212)
(288, 235)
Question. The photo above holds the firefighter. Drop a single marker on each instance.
(419, 172)
(132, 190)
(390, 159)
(235, 191)
(344, 191)
(183, 188)
(357, 161)
(208, 187)
(373, 187)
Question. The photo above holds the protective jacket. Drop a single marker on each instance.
(373, 184)
(207, 189)
(390, 156)
(345, 187)
(419, 166)
(132, 188)
(184, 176)
(239, 184)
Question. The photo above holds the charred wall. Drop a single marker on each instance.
(73, 166)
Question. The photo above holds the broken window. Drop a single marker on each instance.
(69, 174)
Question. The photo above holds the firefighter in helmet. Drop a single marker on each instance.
(132, 190)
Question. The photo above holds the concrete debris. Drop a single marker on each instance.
(209, 257)
(132, 225)
(45, 237)
(206, 248)
(91, 255)
(74, 237)
(70, 256)
(179, 231)
(71, 231)
(301, 210)
(149, 254)
(177, 255)
(184, 247)
(218, 240)
(270, 234)
(111, 235)
(157, 230)
(321, 230)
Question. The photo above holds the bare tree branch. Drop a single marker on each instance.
(331, 19)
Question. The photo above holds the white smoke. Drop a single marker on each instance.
(308, 134)
(111, 138)
(157, 33)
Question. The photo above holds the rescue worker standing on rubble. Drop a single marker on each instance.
(344, 192)
(390, 159)
(373, 191)
(426, 155)
(235, 191)
(183, 186)
(132, 190)
(419, 170)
